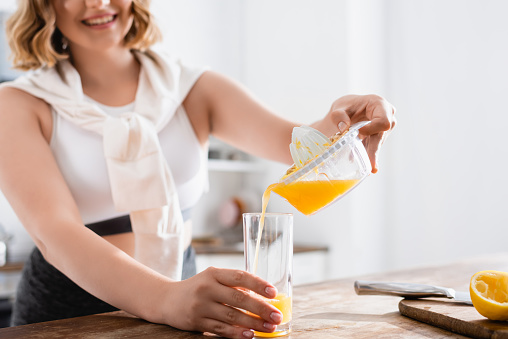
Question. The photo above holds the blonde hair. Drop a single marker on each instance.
(35, 41)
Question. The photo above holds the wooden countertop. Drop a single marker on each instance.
(329, 309)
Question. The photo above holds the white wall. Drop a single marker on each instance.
(6, 71)
(8, 5)
(293, 56)
(202, 31)
(448, 77)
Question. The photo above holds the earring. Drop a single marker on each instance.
(65, 43)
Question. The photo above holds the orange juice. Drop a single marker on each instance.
(283, 302)
(309, 196)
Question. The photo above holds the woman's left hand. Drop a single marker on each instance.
(351, 109)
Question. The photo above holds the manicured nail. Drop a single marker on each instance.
(269, 326)
(248, 334)
(271, 290)
(342, 127)
(277, 317)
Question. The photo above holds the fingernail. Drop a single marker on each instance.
(277, 317)
(271, 290)
(269, 326)
(342, 127)
(248, 334)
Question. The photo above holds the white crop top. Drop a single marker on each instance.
(80, 157)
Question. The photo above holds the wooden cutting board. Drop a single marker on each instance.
(455, 317)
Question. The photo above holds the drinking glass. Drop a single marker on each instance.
(269, 255)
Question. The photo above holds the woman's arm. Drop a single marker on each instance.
(219, 106)
(32, 183)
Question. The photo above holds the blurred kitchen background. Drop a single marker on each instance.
(440, 194)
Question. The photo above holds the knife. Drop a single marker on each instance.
(410, 291)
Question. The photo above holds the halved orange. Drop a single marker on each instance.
(489, 294)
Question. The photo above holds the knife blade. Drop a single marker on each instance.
(410, 290)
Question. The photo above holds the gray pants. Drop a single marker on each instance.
(44, 293)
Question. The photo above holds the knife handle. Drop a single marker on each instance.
(406, 290)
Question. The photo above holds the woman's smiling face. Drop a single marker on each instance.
(93, 24)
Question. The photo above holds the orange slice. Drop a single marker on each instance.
(489, 294)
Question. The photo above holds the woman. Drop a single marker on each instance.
(95, 55)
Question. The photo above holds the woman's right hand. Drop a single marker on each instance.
(210, 302)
